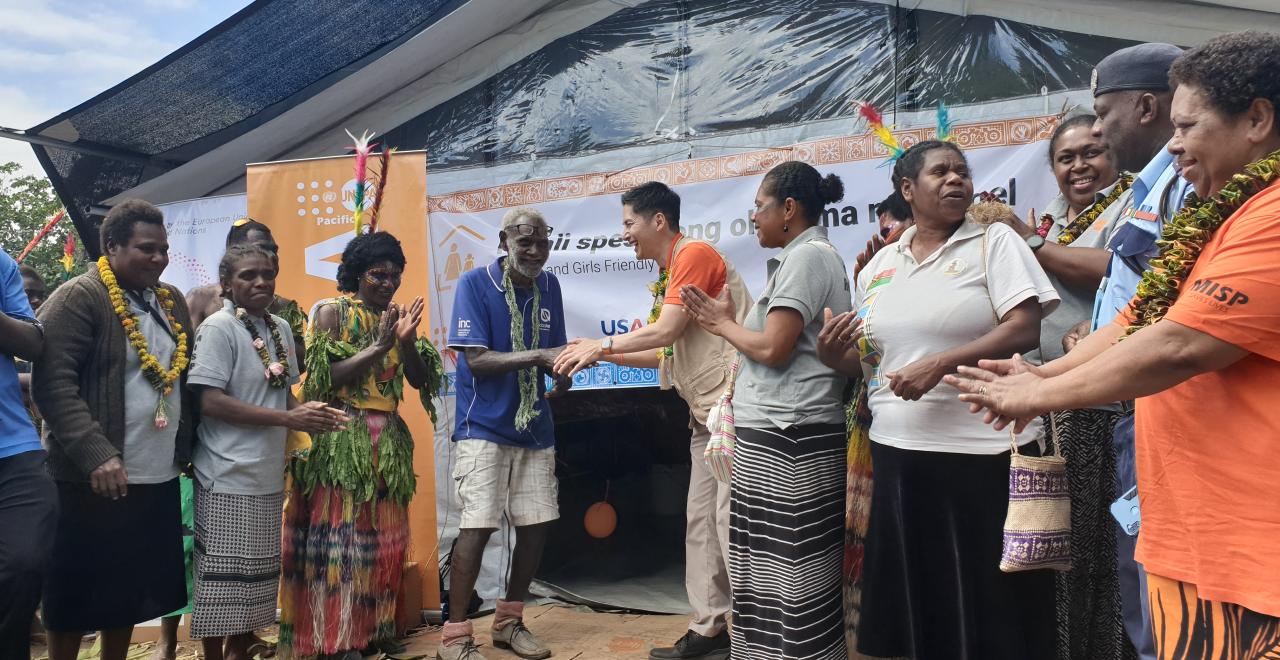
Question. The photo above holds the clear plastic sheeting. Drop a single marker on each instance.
(672, 70)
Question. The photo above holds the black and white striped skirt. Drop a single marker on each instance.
(786, 542)
(237, 562)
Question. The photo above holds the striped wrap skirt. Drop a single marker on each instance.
(786, 542)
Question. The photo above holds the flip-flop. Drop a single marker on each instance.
(262, 650)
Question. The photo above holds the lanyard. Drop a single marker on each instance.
(155, 314)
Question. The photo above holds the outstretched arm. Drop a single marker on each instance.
(1152, 360)
(663, 332)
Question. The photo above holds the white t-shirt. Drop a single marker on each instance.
(912, 310)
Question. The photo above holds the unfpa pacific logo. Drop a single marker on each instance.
(1221, 294)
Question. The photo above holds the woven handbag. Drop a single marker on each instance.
(719, 451)
(1037, 529)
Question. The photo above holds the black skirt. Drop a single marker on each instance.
(115, 563)
(933, 588)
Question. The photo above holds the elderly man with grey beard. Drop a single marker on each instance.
(508, 328)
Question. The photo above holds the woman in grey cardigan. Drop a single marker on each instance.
(117, 424)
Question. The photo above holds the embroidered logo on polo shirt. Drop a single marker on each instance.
(464, 327)
(955, 267)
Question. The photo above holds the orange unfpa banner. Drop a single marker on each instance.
(308, 205)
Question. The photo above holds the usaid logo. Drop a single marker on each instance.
(464, 327)
(619, 326)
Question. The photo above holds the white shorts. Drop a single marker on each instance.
(492, 479)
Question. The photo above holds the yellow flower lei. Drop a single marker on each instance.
(161, 380)
(1083, 221)
(659, 291)
(1185, 236)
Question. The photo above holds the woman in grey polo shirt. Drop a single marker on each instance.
(948, 293)
(245, 362)
(786, 499)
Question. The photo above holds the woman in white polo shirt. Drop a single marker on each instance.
(948, 293)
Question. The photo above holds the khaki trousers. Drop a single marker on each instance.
(706, 541)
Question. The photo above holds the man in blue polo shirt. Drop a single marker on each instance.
(508, 328)
(28, 500)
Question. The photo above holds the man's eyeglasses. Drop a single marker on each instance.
(528, 230)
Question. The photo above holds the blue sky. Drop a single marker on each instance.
(55, 54)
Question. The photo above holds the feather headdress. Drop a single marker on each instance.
(384, 163)
(876, 122)
(363, 149)
(68, 259)
(944, 123)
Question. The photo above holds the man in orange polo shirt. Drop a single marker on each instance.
(1205, 369)
(697, 364)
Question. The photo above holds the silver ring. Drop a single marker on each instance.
(982, 390)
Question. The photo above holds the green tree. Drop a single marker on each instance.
(26, 204)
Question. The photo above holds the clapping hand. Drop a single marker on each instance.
(1007, 390)
(387, 328)
(407, 322)
(873, 246)
(713, 314)
(839, 335)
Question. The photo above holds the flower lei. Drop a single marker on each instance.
(277, 372)
(1085, 219)
(659, 291)
(161, 380)
(526, 379)
(1185, 236)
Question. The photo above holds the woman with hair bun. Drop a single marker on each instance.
(950, 292)
(786, 503)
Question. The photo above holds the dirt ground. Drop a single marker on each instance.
(572, 633)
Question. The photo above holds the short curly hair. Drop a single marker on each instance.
(908, 165)
(1232, 70)
(363, 252)
(117, 227)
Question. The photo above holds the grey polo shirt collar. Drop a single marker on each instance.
(816, 231)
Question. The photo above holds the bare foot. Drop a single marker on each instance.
(165, 651)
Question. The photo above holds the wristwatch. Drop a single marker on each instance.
(1035, 242)
(606, 345)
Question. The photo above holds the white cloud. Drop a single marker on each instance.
(19, 110)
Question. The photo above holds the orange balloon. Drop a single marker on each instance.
(600, 520)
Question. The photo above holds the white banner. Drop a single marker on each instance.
(605, 287)
(197, 237)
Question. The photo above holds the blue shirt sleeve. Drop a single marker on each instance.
(13, 297)
(558, 331)
(470, 327)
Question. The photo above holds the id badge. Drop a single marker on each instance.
(1126, 512)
